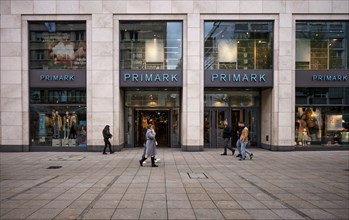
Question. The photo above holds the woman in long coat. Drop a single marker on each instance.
(150, 146)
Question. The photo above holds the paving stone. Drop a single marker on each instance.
(275, 185)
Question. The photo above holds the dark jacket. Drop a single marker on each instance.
(106, 133)
(227, 132)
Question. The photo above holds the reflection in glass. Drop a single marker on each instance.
(151, 45)
(317, 123)
(57, 45)
(322, 45)
(238, 45)
(231, 98)
(58, 118)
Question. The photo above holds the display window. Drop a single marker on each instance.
(317, 123)
(57, 120)
(57, 45)
(322, 45)
(151, 45)
(238, 45)
(57, 81)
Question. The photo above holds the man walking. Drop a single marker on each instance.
(227, 138)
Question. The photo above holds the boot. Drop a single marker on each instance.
(141, 161)
(153, 162)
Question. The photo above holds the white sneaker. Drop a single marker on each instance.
(144, 162)
(157, 160)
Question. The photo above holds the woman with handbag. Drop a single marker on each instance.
(150, 146)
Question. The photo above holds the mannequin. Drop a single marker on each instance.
(57, 124)
(312, 124)
(66, 127)
(73, 125)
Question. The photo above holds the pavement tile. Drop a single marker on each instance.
(126, 204)
(252, 205)
(17, 213)
(45, 214)
(185, 214)
(133, 196)
(208, 214)
(220, 197)
(262, 214)
(153, 204)
(287, 214)
(126, 214)
(99, 214)
(195, 190)
(69, 214)
(57, 204)
(235, 214)
(227, 205)
(199, 196)
(154, 214)
(275, 185)
(196, 204)
(317, 214)
(179, 196)
(155, 196)
(340, 213)
(178, 204)
(106, 204)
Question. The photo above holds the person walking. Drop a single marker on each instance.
(241, 127)
(106, 136)
(150, 146)
(227, 138)
(243, 143)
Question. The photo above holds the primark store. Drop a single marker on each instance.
(182, 66)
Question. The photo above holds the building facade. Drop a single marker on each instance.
(68, 68)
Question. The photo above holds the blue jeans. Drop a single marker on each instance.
(244, 151)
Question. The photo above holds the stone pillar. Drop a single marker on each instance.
(284, 87)
(14, 130)
(100, 81)
(193, 88)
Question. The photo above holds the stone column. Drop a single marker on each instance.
(284, 88)
(193, 88)
(100, 81)
(14, 131)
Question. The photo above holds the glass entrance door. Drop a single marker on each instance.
(160, 119)
(213, 127)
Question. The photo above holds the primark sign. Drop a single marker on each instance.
(151, 78)
(57, 78)
(322, 78)
(238, 78)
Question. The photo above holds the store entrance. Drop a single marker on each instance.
(214, 125)
(159, 119)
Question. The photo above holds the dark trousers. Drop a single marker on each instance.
(227, 145)
(107, 143)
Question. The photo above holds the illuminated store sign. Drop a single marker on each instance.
(322, 78)
(238, 78)
(329, 77)
(57, 78)
(151, 78)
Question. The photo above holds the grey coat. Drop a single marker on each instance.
(151, 143)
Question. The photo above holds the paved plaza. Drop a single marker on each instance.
(186, 185)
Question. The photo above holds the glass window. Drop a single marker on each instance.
(58, 118)
(57, 45)
(322, 116)
(238, 45)
(151, 45)
(231, 99)
(322, 45)
(152, 99)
